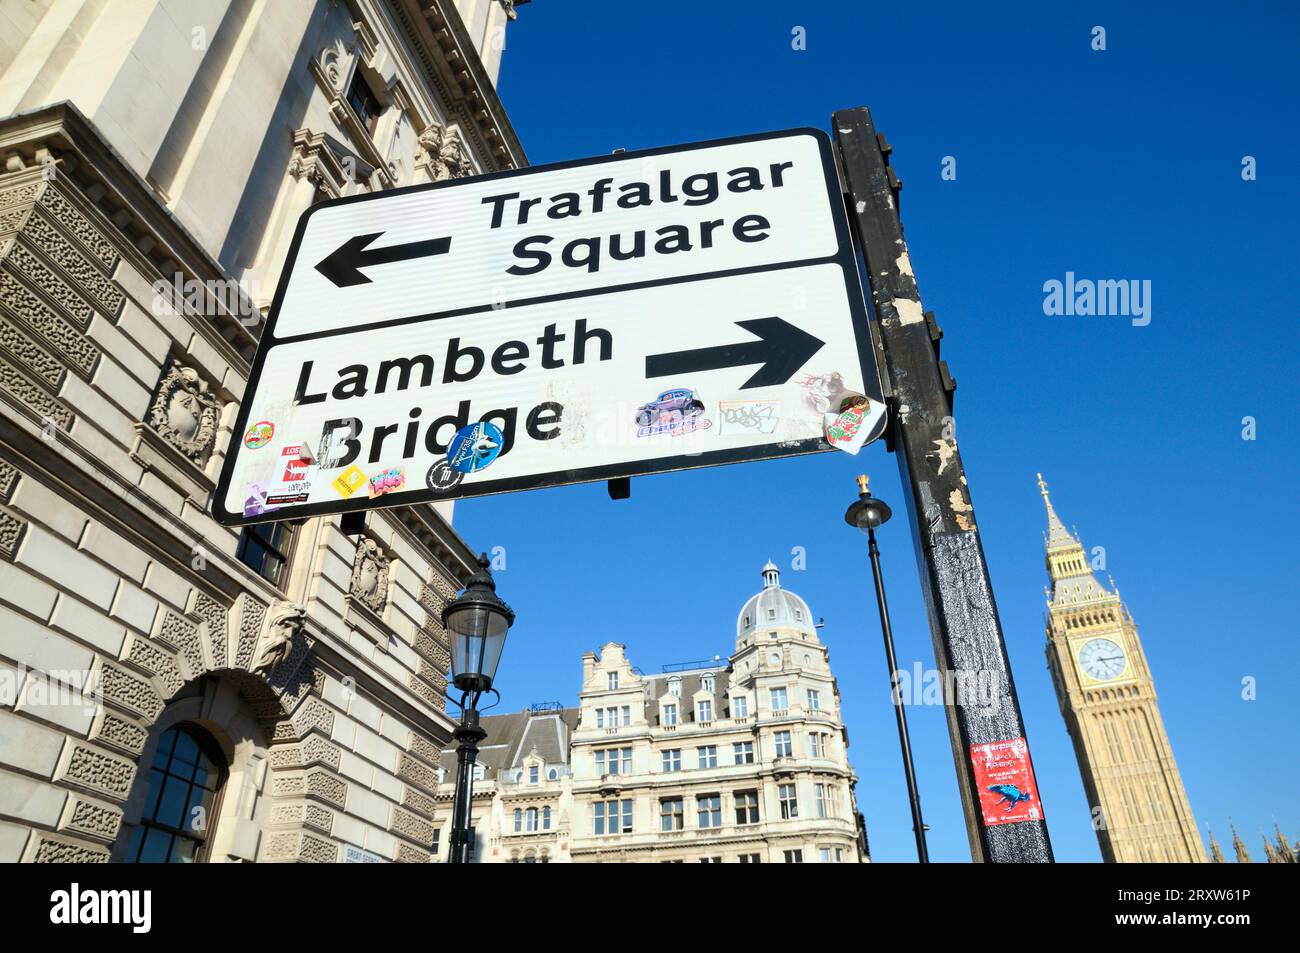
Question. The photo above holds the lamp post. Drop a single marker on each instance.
(866, 513)
(476, 622)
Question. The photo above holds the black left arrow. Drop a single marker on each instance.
(343, 265)
(781, 348)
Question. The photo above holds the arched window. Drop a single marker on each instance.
(546, 818)
(185, 784)
(530, 818)
(519, 819)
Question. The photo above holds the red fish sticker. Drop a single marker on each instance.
(1005, 779)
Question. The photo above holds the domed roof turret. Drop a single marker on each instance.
(773, 609)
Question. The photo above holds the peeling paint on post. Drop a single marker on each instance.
(954, 576)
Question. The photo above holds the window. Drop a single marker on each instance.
(673, 759)
(608, 761)
(740, 707)
(749, 859)
(710, 860)
(675, 687)
(553, 775)
(627, 715)
(814, 700)
(707, 756)
(437, 837)
(820, 797)
(789, 801)
(709, 809)
(600, 718)
(264, 548)
(364, 103)
(706, 684)
(478, 772)
(530, 820)
(471, 842)
(743, 752)
(533, 774)
(839, 855)
(611, 681)
(771, 614)
(519, 819)
(784, 746)
(184, 785)
(814, 745)
(824, 854)
(746, 807)
(779, 700)
(670, 714)
(612, 817)
(672, 814)
(704, 711)
(546, 818)
(793, 856)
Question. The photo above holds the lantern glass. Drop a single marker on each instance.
(478, 635)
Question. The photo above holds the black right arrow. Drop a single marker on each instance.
(781, 348)
(342, 265)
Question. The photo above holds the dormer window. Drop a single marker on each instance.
(706, 684)
(675, 687)
(532, 774)
(798, 615)
(771, 614)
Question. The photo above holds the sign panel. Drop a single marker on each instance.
(623, 315)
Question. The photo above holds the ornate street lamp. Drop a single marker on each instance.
(867, 513)
(476, 622)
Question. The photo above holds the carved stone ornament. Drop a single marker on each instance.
(334, 61)
(287, 621)
(442, 148)
(185, 413)
(370, 575)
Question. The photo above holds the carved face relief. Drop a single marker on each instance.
(185, 413)
(370, 575)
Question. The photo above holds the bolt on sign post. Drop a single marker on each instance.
(1004, 816)
(587, 321)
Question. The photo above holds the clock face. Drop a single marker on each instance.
(1102, 659)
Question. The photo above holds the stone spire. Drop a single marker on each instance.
(1285, 850)
(1058, 537)
(1216, 852)
(1238, 846)
(1270, 855)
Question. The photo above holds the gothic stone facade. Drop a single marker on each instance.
(175, 143)
(1108, 697)
(739, 761)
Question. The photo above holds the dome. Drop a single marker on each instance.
(774, 608)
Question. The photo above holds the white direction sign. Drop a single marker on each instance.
(623, 315)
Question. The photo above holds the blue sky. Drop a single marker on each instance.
(1117, 164)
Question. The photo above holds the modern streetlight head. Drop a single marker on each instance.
(477, 622)
(868, 512)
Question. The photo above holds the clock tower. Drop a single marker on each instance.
(1108, 698)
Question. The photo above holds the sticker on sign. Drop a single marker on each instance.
(617, 316)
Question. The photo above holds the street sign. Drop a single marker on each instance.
(623, 315)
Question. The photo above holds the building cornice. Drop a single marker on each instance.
(451, 64)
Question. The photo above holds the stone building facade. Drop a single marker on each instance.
(738, 761)
(170, 688)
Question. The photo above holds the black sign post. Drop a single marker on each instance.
(988, 735)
